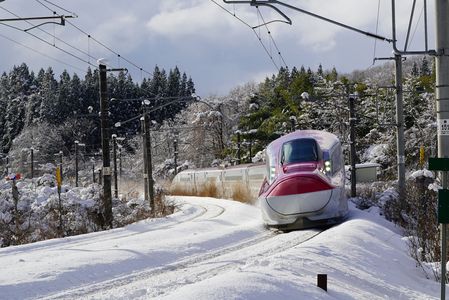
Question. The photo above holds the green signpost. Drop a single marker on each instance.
(442, 164)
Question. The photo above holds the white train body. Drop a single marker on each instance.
(302, 183)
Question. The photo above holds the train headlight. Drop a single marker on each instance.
(327, 166)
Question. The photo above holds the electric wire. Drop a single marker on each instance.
(50, 44)
(41, 53)
(416, 25)
(251, 27)
(44, 5)
(271, 37)
(97, 41)
(49, 34)
(109, 49)
(60, 7)
(377, 27)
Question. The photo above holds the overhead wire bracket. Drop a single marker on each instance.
(271, 3)
(62, 20)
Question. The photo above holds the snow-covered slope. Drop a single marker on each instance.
(218, 249)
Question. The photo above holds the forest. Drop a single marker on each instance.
(53, 115)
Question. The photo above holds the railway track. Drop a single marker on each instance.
(195, 268)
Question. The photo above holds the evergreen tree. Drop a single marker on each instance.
(320, 71)
(415, 71)
(48, 109)
(425, 69)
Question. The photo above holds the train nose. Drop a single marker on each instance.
(299, 184)
(300, 194)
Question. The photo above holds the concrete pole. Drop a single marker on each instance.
(175, 152)
(76, 163)
(400, 129)
(104, 118)
(149, 163)
(442, 107)
(352, 142)
(120, 161)
(145, 165)
(32, 162)
(239, 159)
(114, 151)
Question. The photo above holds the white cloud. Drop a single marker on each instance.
(204, 20)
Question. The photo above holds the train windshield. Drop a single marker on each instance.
(301, 150)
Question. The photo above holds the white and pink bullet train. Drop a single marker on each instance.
(301, 185)
(305, 182)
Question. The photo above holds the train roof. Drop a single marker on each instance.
(325, 139)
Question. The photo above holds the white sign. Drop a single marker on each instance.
(106, 171)
(443, 126)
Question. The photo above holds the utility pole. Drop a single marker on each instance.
(7, 165)
(149, 164)
(175, 152)
(442, 108)
(120, 160)
(114, 151)
(93, 172)
(352, 120)
(60, 164)
(400, 129)
(32, 162)
(76, 163)
(238, 148)
(104, 117)
(145, 165)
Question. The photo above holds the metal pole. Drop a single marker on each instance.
(352, 120)
(442, 108)
(7, 165)
(76, 163)
(400, 129)
(175, 146)
(238, 149)
(114, 147)
(146, 122)
(104, 110)
(32, 162)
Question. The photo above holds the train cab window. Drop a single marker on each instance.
(337, 159)
(300, 150)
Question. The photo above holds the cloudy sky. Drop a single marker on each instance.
(202, 39)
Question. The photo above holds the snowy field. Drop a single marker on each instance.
(218, 249)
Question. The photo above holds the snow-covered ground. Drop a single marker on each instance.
(218, 249)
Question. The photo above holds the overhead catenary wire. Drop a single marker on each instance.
(417, 24)
(377, 28)
(41, 53)
(251, 27)
(90, 37)
(50, 44)
(58, 6)
(51, 35)
(109, 49)
(271, 37)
